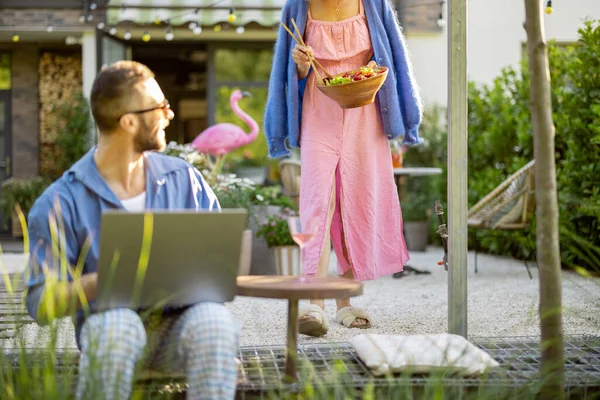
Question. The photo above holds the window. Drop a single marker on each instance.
(237, 65)
(5, 73)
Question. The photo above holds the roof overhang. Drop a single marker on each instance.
(265, 13)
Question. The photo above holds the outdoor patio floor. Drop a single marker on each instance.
(519, 358)
(334, 368)
(502, 320)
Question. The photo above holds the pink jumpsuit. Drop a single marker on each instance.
(348, 149)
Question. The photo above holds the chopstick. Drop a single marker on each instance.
(297, 41)
(311, 58)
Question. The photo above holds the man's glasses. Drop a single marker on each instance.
(164, 107)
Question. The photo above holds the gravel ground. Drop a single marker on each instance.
(502, 302)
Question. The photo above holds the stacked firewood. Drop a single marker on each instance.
(60, 81)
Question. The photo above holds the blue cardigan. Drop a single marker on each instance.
(398, 99)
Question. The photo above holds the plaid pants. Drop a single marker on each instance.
(200, 341)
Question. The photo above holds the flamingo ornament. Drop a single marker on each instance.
(220, 139)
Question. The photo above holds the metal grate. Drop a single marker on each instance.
(328, 368)
(333, 367)
(523, 355)
(518, 376)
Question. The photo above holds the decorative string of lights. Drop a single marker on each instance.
(90, 8)
(197, 29)
(193, 25)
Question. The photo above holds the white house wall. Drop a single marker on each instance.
(496, 35)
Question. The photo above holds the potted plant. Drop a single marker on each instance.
(21, 192)
(276, 233)
(416, 211)
(234, 192)
(250, 166)
(199, 160)
(265, 202)
(269, 200)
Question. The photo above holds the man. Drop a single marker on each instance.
(122, 171)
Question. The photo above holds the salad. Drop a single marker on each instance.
(355, 76)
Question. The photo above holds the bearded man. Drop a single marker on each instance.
(125, 171)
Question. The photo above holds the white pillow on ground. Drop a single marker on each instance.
(383, 354)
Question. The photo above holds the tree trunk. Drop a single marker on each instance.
(548, 254)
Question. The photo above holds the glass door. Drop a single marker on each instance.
(114, 50)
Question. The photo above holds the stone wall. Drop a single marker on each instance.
(60, 81)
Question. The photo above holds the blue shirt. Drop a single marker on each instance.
(399, 100)
(78, 199)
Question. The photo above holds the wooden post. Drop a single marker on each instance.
(457, 167)
(547, 240)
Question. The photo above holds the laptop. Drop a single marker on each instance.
(189, 257)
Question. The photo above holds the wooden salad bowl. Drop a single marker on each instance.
(355, 94)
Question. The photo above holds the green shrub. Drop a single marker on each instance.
(419, 193)
(275, 229)
(500, 142)
(577, 118)
(23, 192)
(72, 134)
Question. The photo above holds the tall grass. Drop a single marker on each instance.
(39, 369)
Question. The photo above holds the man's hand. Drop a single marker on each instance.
(62, 298)
(89, 283)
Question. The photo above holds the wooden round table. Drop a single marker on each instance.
(293, 289)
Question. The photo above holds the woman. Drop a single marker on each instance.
(347, 189)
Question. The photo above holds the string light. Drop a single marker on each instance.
(549, 7)
(231, 17)
(112, 31)
(100, 25)
(441, 21)
(169, 35)
(15, 38)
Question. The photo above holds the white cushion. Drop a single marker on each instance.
(384, 354)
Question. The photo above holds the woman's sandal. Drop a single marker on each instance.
(313, 321)
(348, 315)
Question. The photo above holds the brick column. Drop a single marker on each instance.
(25, 111)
